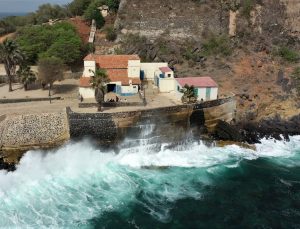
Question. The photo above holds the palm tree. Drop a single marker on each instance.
(11, 56)
(26, 75)
(189, 95)
(98, 82)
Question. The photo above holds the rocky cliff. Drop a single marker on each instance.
(194, 18)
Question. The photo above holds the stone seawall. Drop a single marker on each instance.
(21, 133)
(109, 127)
(25, 132)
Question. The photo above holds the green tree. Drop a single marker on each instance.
(77, 7)
(47, 11)
(112, 4)
(189, 94)
(50, 69)
(11, 56)
(60, 40)
(26, 76)
(98, 82)
(92, 12)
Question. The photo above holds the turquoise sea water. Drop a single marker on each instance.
(190, 186)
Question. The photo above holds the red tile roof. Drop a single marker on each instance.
(197, 81)
(111, 61)
(116, 75)
(85, 82)
(165, 69)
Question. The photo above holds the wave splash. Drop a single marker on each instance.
(76, 183)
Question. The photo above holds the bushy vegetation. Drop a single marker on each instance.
(287, 54)
(78, 7)
(92, 12)
(247, 6)
(59, 40)
(217, 45)
(111, 34)
(6, 28)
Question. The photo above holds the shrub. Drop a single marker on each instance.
(247, 7)
(288, 54)
(92, 12)
(217, 45)
(111, 34)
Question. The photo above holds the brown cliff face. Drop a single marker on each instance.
(293, 15)
(193, 19)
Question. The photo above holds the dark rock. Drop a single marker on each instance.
(226, 132)
(6, 166)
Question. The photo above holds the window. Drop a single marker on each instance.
(169, 75)
(134, 86)
(178, 88)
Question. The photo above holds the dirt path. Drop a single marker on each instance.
(10, 35)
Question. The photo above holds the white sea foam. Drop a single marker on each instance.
(68, 186)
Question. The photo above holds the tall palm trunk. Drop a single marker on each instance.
(10, 84)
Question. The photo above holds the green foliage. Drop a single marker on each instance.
(247, 6)
(287, 54)
(217, 45)
(111, 34)
(26, 75)
(6, 27)
(48, 11)
(50, 69)
(99, 81)
(11, 56)
(189, 94)
(112, 4)
(77, 7)
(92, 12)
(59, 40)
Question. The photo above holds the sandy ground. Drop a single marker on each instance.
(68, 90)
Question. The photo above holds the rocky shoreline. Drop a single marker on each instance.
(252, 132)
(172, 125)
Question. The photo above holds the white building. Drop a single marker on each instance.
(122, 70)
(205, 87)
(164, 79)
(149, 70)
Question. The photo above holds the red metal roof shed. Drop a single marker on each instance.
(199, 82)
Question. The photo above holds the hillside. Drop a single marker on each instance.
(251, 47)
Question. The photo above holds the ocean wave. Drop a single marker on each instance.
(77, 182)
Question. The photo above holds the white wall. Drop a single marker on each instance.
(214, 93)
(166, 84)
(134, 68)
(130, 89)
(87, 93)
(201, 93)
(89, 65)
(150, 68)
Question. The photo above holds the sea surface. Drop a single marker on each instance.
(154, 186)
(7, 14)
